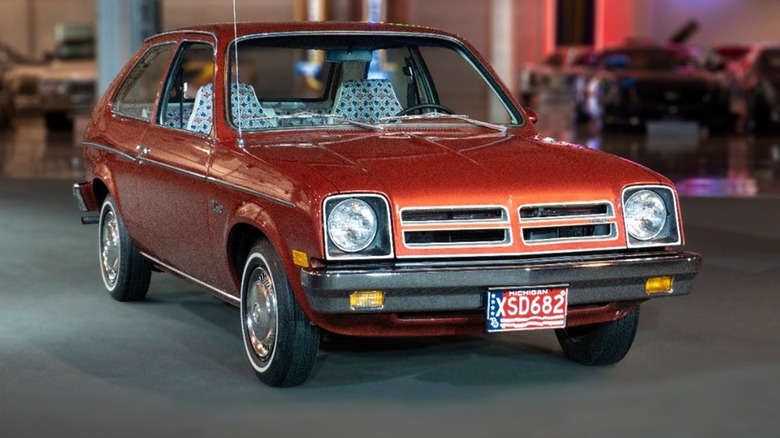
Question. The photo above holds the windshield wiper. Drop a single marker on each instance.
(356, 123)
(438, 115)
(309, 115)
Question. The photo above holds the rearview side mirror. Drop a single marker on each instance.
(532, 117)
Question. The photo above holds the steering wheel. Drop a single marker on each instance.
(413, 108)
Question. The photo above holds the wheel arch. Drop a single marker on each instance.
(253, 222)
(102, 180)
(100, 190)
(240, 240)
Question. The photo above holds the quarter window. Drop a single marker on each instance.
(137, 95)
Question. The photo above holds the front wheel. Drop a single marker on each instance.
(604, 343)
(280, 340)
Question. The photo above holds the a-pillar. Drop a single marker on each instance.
(502, 43)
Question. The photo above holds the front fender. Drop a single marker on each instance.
(286, 228)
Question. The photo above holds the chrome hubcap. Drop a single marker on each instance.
(109, 247)
(261, 314)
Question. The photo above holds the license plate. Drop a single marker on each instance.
(527, 308)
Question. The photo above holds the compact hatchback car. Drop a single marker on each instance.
(369, 180)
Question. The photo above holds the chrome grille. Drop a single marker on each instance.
(567, 232)
(81, 88)
(453, 215)
(560, 223)
(559, 211)
(456, 226)
(469, 237)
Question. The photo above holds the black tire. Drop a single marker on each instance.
(6, 116)
(279, 339)
(757, 119)
(604, 343)
(57, 121)
(126, 273)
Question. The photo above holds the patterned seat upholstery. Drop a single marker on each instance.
(176, 114)
(246, 108)
(202, 116)
(366, 100)
(243, 97)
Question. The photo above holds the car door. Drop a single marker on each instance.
(132, 108)
(175, 151)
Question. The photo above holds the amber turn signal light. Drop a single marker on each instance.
(300, 258)
(367, 299)
(659, 285)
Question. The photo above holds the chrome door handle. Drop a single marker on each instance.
(142, 150)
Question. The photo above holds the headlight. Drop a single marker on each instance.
(49, 87)
(645, 215)
(650, 216)
(610, 91)
(357, 226)
(352, 225)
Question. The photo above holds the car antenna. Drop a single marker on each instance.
(235, 57)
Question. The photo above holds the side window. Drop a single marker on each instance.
(136, 96)
(188, 101)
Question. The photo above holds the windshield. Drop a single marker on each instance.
(354, 80)
(76, 49)
(658, 59)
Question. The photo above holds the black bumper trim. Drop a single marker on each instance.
(430, 288)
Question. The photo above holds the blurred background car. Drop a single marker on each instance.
(14, 82)
(562, 75)
(755, 79)
(729, 54)
(67, 86)
(635, 84)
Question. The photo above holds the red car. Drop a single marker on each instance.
(368, 180)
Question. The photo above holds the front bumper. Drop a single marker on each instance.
(462, 286)
(71, 102)
(87, 203)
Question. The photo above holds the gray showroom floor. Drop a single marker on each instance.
(75, 363)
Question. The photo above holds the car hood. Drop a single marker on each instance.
(78, 71)
(24, 71)
(678, 77)
(457, 168)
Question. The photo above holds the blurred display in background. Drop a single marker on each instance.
(688, 88)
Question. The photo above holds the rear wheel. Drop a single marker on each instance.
(57, 121)
(604, 343)
(126, 273)
(280, 340)
(757, 115)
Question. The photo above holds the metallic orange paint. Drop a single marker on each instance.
(183, 195)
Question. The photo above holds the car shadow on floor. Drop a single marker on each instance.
(497, 360)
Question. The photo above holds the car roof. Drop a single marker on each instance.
(227, 30)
